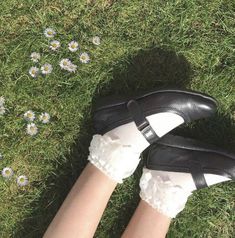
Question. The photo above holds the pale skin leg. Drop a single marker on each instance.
(81, 211)
(147, 223)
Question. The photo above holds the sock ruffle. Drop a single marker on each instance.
(114, 159)
(161, 194)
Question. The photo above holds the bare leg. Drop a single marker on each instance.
(116, 154)
(147, 223)
(81, 211)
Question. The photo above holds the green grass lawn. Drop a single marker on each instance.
(144, 45)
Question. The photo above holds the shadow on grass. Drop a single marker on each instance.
(146, 70)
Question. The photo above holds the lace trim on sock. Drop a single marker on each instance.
(115, 160)
(162, 195)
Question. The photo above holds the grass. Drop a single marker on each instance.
(145, 45)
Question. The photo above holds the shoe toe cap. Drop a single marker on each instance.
(202, 108)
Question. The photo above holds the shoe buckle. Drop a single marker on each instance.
(141, 122)
(148, 132)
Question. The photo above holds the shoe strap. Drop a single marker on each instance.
(141, 122)
(198, 176)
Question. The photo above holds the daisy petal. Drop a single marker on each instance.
(54, 45)
(34, 71)
(7, 172)
(49, 33)
(29, 115)
(96, 40)
(44, 117)
(46, 68)
(31, 129)
(84, 58)
(73, 46)
(22, 180)
(35, 57)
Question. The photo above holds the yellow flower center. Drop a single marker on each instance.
(50, 33)
(73, 46)
(46, 68)
(33, 71)
(7, 172)
(65, 63)
(33, 129)
(54, 44)
(21, 180)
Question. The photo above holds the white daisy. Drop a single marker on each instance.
(46, 68)
(96, 40)
(29, 115)
(2, 101)
(72, 68)
(7, 172)
(22, 180)
(65, 63)
(54, 45)
(44, 117)
(32, 129)
(2, 110)
(73, 46)
(33, 71)
(49, 33)
(84, 58)
(35, 57)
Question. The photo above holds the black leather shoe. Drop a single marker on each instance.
(179, 154)
(111, 113)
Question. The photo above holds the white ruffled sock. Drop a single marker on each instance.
(168, 192)
(117, 152)
(128, 134)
